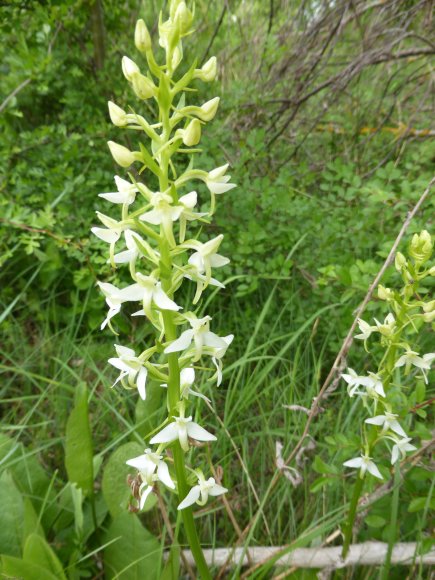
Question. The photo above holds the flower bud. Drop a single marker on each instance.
(173, 8)
(117, 115)
(208, 110)
(192, 133)
(129, 68)
(400, 262)
(432, 271)
(142, 38)
(123, 156)
(385, 293)
(421, 247)
(143, 87)
(208, 72)
(177, 57)
(429, 306)
(429, 316)
(183, 17)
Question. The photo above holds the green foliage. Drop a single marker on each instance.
(132, 552)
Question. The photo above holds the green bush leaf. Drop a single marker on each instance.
(78, 446)
(375, 521)
(134, 553)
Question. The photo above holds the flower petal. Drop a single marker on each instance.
(108, 236)
(199, 433)
(372, 468)
(162, 300)
(190, 498)
(166, 435)
(217, 490)
(181, 343)
(141, 383)
(163, 475)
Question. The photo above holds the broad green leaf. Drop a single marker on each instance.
(12, 512)
(31, 521)
(115, 488)
(78, 445)
(134, 553)
(37, 551)
(19, 569)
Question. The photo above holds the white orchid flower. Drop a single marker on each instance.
(147, 464)
(364, 463)
(205, 257)
(115, 297)
(372, 384)
(110, 235)
(199, 334)
(188, 202)
(113, 230)
(150, 291)
(400, 448)
(412, 358)
(217, 181)
(387, 327)
(182, 428)
(388, 422)
(187, 378)
(130, 255)
(218, 355)
(126, 193)
(164, 211)
(132, 367)
(365, 329)
(201, 282)
(199, 493)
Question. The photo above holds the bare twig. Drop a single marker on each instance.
(365, 554)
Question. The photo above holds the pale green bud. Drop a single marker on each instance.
(143, 87)
(117, 115)
(123, 156)
(400, 262)
(432, 271)
(421, 247)
(429, 306)
(169, 34)
(208, 72)
(177, 57)
(208, 110)
(192, 134)
(173, 8)
(183, 17)
(429, 316)
(385, 293)
(129, 68)
(142, 38)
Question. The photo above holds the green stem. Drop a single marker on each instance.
(166, 268)
(393, 522)
(351, 517)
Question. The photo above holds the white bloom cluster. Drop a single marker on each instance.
(374, 388)
(153, 242)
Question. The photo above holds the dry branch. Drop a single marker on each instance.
(366, 554)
